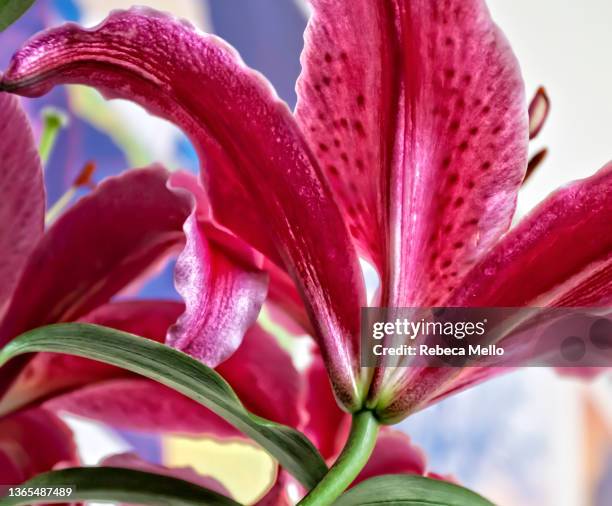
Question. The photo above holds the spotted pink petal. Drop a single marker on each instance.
(346, 93)
(49, 373)
(22, 195)
(32, 442)
(260, 372)
(560, 255)
(221, 285)
(133, 461)
(265, 184)
(417, 113)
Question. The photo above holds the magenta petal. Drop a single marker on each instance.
(146, 318)
(32, 442)
(327, 425)
(98, 246)
(132, 461)
(264, 377)
(285, 302)
(347, 90)
(49, 373)
(260, 372)
(394, 453)
(223, 292)
(105, 241)
(141, 404)
(259, 170)
(464, 141)
(420, 120)
(22, 195)
(561, 254)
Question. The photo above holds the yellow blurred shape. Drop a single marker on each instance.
(245, 470)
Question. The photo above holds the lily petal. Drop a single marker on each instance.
(141, 405)
(327, 425)
(286, 302)
(259, 171)
(465, 142)
(394, 453)
(31, 442)
(559, 255)
(98, 246)
(264, 377)
(222, 288)
(85, 257)
(346, 93)
(260, 372)
(428, 101)
(22, 195)
(49, 373)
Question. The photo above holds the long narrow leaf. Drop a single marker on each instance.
(182, 373)
(116, 485)
(11, 11)
(407, 490)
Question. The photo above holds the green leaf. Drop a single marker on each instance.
(403, 489)
(11, 11)
(119, 485)
(182, 373)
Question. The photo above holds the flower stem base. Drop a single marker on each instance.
(354, 456)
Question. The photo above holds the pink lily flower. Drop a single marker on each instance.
(272, 388)
(408, 147)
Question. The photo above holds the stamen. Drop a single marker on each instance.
(534, 163)
(53, 121)
(83, 179)
(538, 112)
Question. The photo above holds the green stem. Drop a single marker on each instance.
(53, 121)
(351, 461)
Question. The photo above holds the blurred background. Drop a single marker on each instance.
(529, 438)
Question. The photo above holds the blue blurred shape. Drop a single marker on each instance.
(269, 36)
